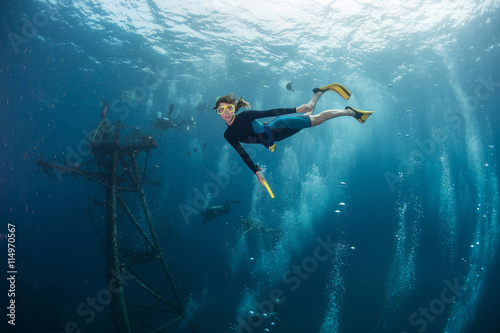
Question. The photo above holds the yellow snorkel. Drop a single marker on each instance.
(268, 189)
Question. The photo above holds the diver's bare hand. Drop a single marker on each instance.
(304, 108)
(260, 177)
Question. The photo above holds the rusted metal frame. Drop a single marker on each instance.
(153, 234)
(170, 323)
(133, 219)
(113, 272)
(140, 281)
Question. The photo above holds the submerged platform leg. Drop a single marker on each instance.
(113, 271)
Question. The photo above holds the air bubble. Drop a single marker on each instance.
(337, 211)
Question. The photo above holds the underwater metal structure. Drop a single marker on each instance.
(115, 149)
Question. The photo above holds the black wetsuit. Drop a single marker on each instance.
(216, 211)
(247, 129)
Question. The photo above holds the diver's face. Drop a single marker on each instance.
(226, 112)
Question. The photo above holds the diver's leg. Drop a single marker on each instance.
(318, 92)
(317, 119)
(313, 101)
(290, 122)
(179, 124)
(235, 201)
(285, 126)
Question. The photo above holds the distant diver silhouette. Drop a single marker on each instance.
(165, 123)
(250, 224)
(215, 211)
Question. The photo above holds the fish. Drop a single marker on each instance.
(289, 86)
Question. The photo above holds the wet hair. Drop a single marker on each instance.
(231, 99)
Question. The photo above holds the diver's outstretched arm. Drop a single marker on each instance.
(227, 207)
(272, 229)
(179, 124)
(260, 177)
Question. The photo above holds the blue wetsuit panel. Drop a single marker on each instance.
(282, 122)
(286, 126)
(292, 122)
(257, 126)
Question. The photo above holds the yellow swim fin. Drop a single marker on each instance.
(337, 87)
(360, 115)
(268, 189)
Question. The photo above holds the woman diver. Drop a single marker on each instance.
(244, 126)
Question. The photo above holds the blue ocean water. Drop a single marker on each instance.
(389, 226)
